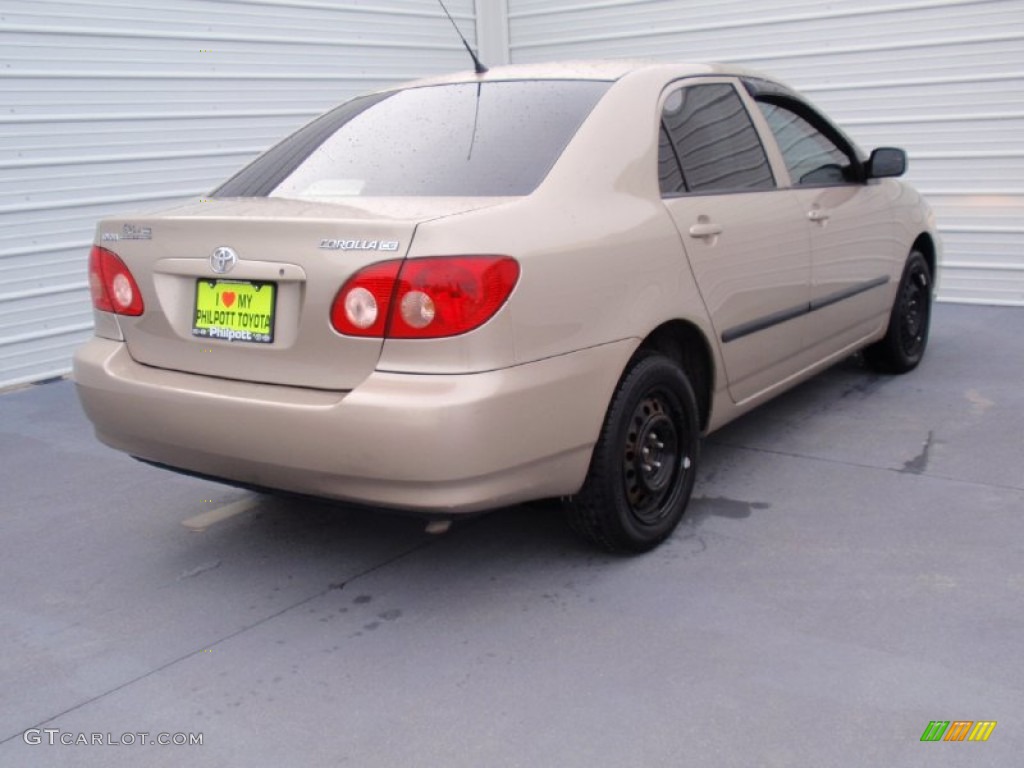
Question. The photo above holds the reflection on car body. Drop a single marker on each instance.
(538, 281)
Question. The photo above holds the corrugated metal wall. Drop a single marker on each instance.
(115, 105)
(942, 78)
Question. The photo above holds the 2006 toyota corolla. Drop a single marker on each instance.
(481, 289)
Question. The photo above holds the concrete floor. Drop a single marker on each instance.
(851, 569)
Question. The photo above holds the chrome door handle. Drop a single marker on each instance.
(816, 214)
(705, 229)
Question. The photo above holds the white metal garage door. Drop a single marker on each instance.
(114, 105)
(942, 78)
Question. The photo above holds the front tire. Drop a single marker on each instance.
(904, 343)
(644, 463)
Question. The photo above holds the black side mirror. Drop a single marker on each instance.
(885, 162)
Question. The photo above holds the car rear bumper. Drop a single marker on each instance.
(432, 443)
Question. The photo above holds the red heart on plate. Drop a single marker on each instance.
(228, 297)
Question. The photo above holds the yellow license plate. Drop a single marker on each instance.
(234, 310)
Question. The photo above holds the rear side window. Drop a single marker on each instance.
(709, 136)
(465, 139)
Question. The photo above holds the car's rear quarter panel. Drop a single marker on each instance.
(601, 260)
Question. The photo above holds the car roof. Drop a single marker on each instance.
(592, 69)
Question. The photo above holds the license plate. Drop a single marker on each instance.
(234, 310)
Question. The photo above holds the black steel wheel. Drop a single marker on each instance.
(643, 467)
(902, 348)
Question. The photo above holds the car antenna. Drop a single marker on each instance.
(477, 64)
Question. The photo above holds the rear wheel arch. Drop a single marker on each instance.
(684, 343)
(644, 464)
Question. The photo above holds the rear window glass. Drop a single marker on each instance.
(466, 139)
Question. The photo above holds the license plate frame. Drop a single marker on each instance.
(234, 310)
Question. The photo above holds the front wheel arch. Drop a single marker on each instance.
(906, 337)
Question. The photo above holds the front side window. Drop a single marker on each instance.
(811, 157)
(708, 135)
(465, 139)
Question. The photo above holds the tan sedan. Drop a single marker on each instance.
(471, 291)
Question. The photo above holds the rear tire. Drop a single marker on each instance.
(644, 463)
(904, 343)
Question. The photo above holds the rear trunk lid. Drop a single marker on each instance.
(266, 316)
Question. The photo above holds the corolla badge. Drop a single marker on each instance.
(223, 260)
(345, 244)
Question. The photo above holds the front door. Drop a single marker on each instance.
(850, 225)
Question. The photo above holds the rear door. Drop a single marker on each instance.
(746, 240)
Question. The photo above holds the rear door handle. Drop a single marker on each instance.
(816, 214)
(705, 229)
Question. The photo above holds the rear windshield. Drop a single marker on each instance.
(466, 139)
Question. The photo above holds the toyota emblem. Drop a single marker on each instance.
(223, 260)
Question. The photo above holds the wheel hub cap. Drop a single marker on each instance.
(651, 458)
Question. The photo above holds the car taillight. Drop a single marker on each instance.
(112, 285)
(361, 306)
(424, 298)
